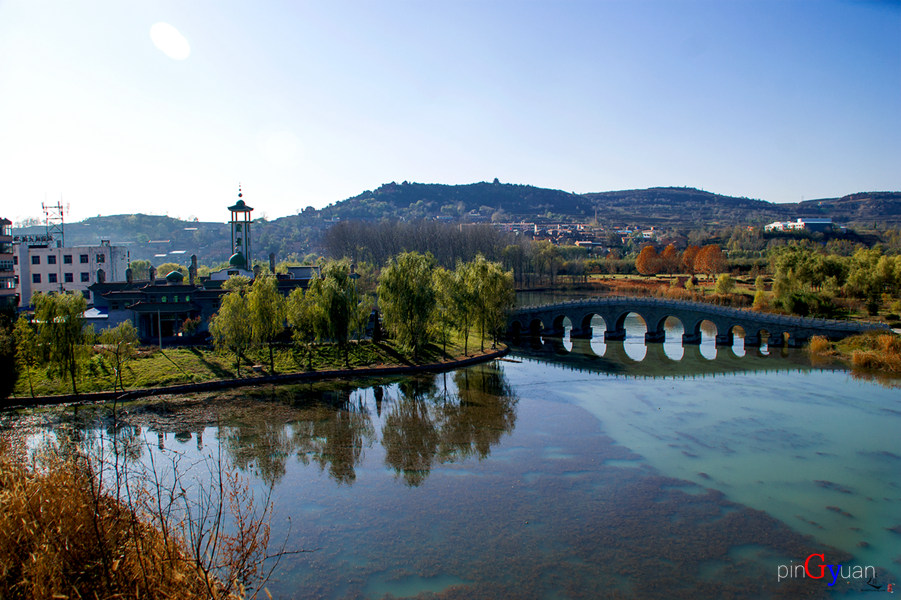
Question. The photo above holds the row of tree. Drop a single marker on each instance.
(420, 302)
(708, 260)
(57, 340)
(804, 274)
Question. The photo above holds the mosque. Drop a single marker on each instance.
(160, 305)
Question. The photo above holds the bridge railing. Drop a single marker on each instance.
(743, 312)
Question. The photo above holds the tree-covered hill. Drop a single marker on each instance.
(683, 207)
(864, 208)
(164, 239)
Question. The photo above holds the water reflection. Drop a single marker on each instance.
(422, 421)
(656, 360)
(424, 426)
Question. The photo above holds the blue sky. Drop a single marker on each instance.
(308, 103)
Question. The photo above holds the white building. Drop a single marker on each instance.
(47, 268)
(815, 225)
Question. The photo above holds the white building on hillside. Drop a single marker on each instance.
(813, 225)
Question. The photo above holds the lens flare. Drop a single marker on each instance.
(170, 41)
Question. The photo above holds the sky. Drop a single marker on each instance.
(165, 107)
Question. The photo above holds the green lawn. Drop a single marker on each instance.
(152, 367)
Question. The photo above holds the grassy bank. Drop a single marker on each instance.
(152, 367)
(872, 352)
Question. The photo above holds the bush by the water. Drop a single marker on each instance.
(64, 535)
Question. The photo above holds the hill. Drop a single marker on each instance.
(856, 209)
(164, 239)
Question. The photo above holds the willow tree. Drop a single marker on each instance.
(490, 292)
(231, 326)
(27, 349)
(119, 344)
(305, 317)
(60, 319)
(443, 321)
(407, 298)
(336, 295)
(267, 312)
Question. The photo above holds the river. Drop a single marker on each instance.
(567, 470)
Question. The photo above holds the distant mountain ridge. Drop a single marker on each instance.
(682, 208)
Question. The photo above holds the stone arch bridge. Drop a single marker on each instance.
(550, 321)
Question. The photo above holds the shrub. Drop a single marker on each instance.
(64, 534)
(819, 345)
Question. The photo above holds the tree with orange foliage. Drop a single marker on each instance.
(669, 260)
(648, 262)
(710, 260)
(688, 259)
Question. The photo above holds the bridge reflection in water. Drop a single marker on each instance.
(632, 357)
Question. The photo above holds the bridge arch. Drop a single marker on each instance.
(613, 311)
(536, 326)
(586, 326)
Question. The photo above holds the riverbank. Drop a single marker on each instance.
(353, 372)
(874, 353)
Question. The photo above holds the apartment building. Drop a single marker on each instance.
(44, 267)
(8, 295)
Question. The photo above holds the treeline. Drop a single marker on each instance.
(708, 260)
(56, 343)
(420, 302)
(810, 281)
(377, 243)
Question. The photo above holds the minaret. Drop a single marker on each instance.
(240, 229)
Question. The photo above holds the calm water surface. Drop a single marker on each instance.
(573, 469)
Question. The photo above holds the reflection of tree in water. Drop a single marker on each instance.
(423, 427)
(331, 432)
(333, 438)
(486, 410)
(259, 444)
(410, 435)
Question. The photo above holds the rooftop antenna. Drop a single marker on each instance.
(54, 221)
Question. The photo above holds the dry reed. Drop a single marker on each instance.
(63, 536)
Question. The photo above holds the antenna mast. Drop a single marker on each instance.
(54, 221)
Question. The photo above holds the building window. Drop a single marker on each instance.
(15, 260)
(187, 298)
(67, 259)
(86, 294)
(35, 278)
(35, 260)
(68, 278)
(83, 259)
(175, 298)
(51, 259)
(51, 278)
(163, 299)
(85, 277)
(101, 258)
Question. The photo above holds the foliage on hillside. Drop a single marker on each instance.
(147, 236)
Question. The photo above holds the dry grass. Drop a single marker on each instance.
(819, 345)
(61, 536)
(875, 352)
